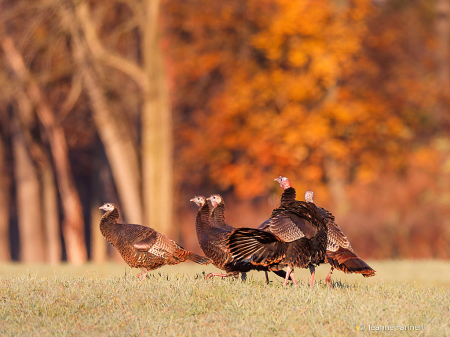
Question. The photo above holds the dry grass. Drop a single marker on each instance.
(174, 301)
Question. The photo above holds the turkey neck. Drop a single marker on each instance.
(289, 194)
(218, 215)
(108, 224)
(202, 221)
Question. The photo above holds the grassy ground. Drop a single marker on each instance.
(176, 301)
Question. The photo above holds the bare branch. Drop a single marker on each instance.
(75, 92)
(119, 147)
(108, 57)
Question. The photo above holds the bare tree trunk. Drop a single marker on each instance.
(98, 242)
(28, 202)
(118, 145)
(5, 252)
(73, 224)
(157, 144)
(49, 193)
(51, 218)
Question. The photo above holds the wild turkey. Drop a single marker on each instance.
(294, 236)
(143, 247)
(339, 251)
(213, 239)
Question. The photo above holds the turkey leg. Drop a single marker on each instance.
(312, 269)
(289, 273)
(328, 278)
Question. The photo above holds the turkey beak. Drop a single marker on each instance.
(193, 199)
(278, 179)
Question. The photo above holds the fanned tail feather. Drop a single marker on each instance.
(260, 247)
(347, 261)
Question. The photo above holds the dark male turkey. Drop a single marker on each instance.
(340, 253)
(143, 247)
(294, 236)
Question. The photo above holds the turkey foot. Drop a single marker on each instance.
(143, 274)
(328, 278)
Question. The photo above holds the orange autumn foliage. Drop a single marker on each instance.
(341, 96)
(281, 103)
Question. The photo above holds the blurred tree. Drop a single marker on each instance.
(95, 41)
(280, 103)
(442, 23)
(157, 145)
(48, 193)
(28, 200)
(116, 138)
(338, 95)
(346, 97)
(5, 183)
(73, 224)
(156, 118)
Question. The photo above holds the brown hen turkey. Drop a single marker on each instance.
(143, 247)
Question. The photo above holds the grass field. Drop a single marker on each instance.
(107, 299)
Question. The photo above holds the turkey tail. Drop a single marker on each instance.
(197, 258)
(262, 248)
(347, 261)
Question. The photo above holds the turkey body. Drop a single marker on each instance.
(143, 247)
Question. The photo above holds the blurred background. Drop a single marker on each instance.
(146, 103)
